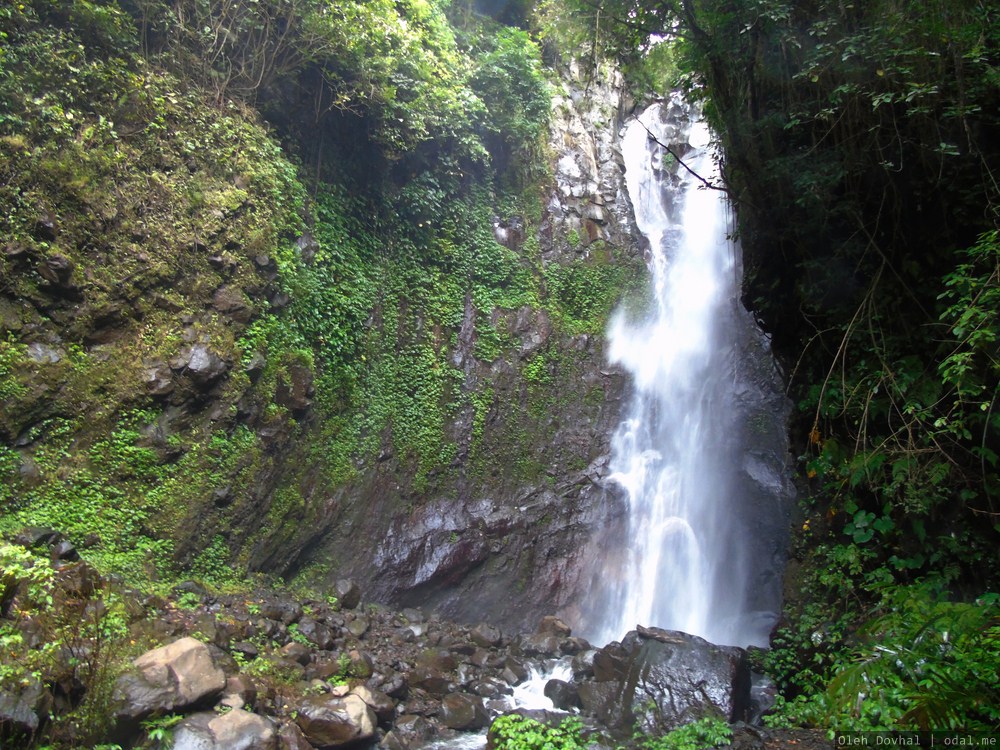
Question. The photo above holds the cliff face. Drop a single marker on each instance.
(507, 530)
(207, 368)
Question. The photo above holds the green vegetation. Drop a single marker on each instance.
(248, 255)
(299, 196)
(515, 732)
(698, 735)
(81, 644)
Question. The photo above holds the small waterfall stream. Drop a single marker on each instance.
(681, 454)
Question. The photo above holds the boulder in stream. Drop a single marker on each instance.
(662, 679)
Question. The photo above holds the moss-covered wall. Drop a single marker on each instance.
(216, 358)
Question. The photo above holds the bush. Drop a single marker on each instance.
(516, 732)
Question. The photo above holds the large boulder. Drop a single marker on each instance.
(234, 730)
(485, 635)
(172, 677)
(666, 679)
(348, 593)
(328, 721)
(463, 711)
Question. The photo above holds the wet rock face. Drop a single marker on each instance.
(589, 203)
(505, 530)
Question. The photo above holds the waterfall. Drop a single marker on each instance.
(684, 456)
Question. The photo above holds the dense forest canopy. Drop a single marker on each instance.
(243, 242)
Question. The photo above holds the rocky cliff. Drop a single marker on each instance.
(506, 532)
(208, 368)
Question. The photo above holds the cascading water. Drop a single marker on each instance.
(681, 455)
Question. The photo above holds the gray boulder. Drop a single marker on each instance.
(20, 707)
(327, 721)
(462, 711)
(668, 679)
(234, 730)
(409, 731)
(486, 636)
(175, 676)
(348, 593)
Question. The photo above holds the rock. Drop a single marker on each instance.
(540, 644)
(21, 706)
(190, 587)
(295, 387)
(763, 696)
(550, 625)
(37, 536)
(394, 685)
(463, 711)
(601, 699)
(514, 671)
(563, 695)
(361, 665)
(610, 663)
(290, 737)
(413, 616)
(64, 550)
(202, 365)
(442, 661)
(247, 649)
(574, 645)
(583, 664)
(15, 249)
(316, 633)
(168, 678)
(266, 266)
(431, 680)
(490, 688)
(329, 722)
(57, 270)
(307, 247)
(673, 678)
(255, 366)
(283, 610)
(158, 378)
(79, 580)
(480, 657)
(383, 706)
(358, 626)
(232, 302)
(486, 636)
(44, 354)
(296, 652)
(234, 730)
(348, 593)
(408, 732)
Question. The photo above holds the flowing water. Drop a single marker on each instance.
(680, 455)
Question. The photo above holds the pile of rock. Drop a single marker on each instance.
(271, 672)
(331, 678)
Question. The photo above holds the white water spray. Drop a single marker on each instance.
(686, 566)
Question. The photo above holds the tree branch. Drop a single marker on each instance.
(707, 183)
